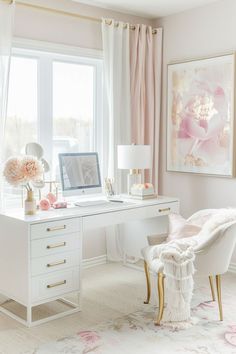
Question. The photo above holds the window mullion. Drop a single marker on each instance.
(45, 100)
(98, 126)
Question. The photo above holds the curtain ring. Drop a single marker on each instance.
(108, 22)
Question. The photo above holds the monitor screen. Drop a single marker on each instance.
(79, 171)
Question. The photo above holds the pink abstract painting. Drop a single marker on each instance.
(200, 116)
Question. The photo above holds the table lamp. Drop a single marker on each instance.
(134, 158)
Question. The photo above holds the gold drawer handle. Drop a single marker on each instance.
(162, 210)
(56, 263)
(56, 228)
(56, 245)
(56, 284)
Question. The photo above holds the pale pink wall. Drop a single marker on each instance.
(205, 31)
(45, 26)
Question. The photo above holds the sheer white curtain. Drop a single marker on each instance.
(6, 27)
(117, 118)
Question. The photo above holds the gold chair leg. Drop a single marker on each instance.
(148, 282)
(161, 298)
(218, 287)
(212, 287)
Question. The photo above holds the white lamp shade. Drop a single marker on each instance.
(134, 157)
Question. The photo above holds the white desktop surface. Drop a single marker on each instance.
(77, 211)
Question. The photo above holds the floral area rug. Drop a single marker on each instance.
(136, 334)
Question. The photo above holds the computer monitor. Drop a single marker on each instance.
(80, 173)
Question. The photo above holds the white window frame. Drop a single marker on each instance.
(46, 53)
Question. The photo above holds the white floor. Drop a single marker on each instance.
(110, 291)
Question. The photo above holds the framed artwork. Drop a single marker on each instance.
(200, 116)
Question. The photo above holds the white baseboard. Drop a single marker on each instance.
(95, 261)
(232, 268)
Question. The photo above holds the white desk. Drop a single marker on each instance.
(40, 256)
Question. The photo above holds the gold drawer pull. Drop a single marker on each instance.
(62, 244)
(56, 284)
(56, 263)
(56, 228)
(162, 210)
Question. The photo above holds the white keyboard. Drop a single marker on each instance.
(89, 203)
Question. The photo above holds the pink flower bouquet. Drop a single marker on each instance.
(23, 170)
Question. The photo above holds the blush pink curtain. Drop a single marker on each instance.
(145, 76)
(132, 77)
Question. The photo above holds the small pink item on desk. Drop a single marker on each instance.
(58, 205)
(51, 197)
(44, 204)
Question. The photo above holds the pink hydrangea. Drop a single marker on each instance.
(13, 171)
(22, 170)
(32, 168)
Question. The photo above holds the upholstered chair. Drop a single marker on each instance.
(211, 261)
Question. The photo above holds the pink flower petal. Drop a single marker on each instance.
(231, 338)
(232, 328)
(89, 336)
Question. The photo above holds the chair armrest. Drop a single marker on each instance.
(156, 239)
(202, 251)
(199, 252)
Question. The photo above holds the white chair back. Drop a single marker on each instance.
(215, 259)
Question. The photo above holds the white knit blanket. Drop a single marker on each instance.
(177, 258)
(219, 221)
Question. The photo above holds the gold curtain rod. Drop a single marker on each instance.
(132, 27)
(56, 11)
(71, 14)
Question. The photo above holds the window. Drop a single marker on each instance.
(21, 124)
(54, 99)
(73, 108)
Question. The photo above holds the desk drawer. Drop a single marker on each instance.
(123, 216)
(55, 228)
(54, 262)
(54, 245)
(56, 284)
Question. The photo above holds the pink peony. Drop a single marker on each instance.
(44, 204)
(32, 168)
(13, 171)
(51, 197)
